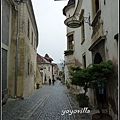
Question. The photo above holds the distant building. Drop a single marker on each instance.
(60, 66)
(55, 71)
(46, 67)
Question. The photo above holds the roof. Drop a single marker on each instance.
(48, 58)
(45, 59)
(40, 59)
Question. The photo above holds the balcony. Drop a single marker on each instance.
(68, 52)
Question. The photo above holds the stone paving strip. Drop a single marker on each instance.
(40, 103)
(75, 106)
(71, 108)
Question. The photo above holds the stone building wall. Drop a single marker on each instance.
(5, 30)
(11, 77)
(26, 53)
(29, 50)
(38, 76)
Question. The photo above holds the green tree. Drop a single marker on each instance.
(81, 77)
(94, 76)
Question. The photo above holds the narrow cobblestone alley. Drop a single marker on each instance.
(46, 103)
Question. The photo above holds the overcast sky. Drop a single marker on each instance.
(51, 28)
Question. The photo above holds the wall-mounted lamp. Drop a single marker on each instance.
(73, 22)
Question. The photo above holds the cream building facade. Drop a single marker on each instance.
(46, 68)
(94, 41)
(24, 84)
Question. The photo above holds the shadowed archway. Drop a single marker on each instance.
(101, 98)
(98, 58)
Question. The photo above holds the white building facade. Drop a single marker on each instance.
(94, 41)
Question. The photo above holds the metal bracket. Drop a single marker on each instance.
(85, 19)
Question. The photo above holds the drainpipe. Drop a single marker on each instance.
(16, 58)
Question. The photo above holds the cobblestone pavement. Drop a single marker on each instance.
(46, 103)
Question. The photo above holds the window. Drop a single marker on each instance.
(31, 68)
(116, 37)
(96, 5)
(82, 30)
(32, 38)
(34, 43)
(70, 41)
(28, 67)
(82, 26)
(28, 29)
(48, 68)
(84, 61)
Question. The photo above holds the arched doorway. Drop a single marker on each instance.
(100, 97)
(98, 58)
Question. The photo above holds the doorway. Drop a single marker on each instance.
(100, 97)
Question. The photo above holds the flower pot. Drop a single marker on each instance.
(83, 100)
(37, 86)
(83, 103)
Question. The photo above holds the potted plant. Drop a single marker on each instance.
(82, 99)
(37, 85)
(68, 52)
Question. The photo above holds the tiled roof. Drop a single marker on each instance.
(45, 59)
(48, 58)
(40, 58)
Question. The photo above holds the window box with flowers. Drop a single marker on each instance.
(68, 52)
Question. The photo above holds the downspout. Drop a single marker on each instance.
(16, 58)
